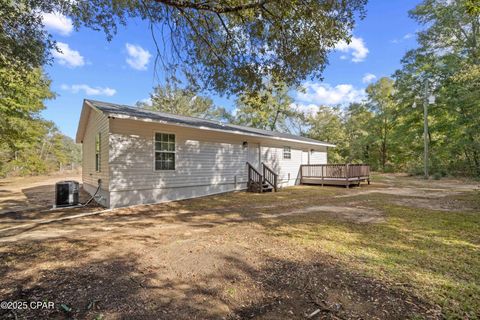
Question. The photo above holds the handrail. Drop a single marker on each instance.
(254, 177)
(270, 176)
(253, 168)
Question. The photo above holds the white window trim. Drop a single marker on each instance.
(290, 152)
(174, 152)
(98, 166)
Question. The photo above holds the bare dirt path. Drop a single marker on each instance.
(20, 193)
(232, 256)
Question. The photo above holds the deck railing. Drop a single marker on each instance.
(336, 172)
(270, 176)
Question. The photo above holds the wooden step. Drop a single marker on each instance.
(264, 187)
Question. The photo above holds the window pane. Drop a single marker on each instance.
(164, 151)
(287, 154)
(170, 165)
(164, 161)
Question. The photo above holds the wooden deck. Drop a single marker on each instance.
(335, 174)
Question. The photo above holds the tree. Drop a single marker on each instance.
(227, 46)
(449, 53)
(382, 103)
(270, 108)
(170, 99)
(359, 137)
(327, 124)
(22, 100)
(24, 42)
(462, 90)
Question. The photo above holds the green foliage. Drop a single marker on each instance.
(23, 40)
(387, 133)
(361, 132)
(358, 134)
(185, 102)
(28, 144)
(270, 109)
(473, 7)
(228, 46)
(382, 104)
(23, 93)
(46, 151)
(448, 57)
(328, 125)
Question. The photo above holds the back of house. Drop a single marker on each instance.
(136, 156)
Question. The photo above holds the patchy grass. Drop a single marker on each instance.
(435, 254)
(400, 248)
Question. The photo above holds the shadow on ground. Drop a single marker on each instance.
(236, 286)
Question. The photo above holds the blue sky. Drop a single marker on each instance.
(122, 70)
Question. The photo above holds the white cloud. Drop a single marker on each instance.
(138, 57)
(68, 56)
(325, 94)
(147, 101)
(309, 108)
(368, 77)
(58, 23)
(89, 91)
(405, 37)
(356, 47)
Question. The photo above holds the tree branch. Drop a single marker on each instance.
(179, 4)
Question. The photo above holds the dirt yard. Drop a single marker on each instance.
(399, 248)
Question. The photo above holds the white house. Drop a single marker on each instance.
(143, 156)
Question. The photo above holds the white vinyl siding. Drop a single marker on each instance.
(97, 126)
(126, 155)
(202, 158)
(318, 157)
(206, 162)
(287, 169)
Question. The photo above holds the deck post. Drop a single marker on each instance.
(323, 175)
(301, 174)
(346, 176)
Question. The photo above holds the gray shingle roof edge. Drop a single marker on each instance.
(125, 111)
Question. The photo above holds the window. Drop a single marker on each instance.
(287, 153)
(164, 151)
(97, 152)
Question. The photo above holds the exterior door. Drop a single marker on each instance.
(305, 157)
(254, 155)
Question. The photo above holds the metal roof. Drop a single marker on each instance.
(124, 111)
